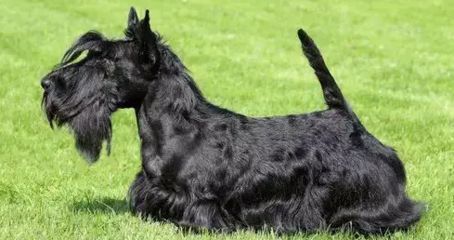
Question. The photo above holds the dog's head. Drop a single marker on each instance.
(83, 92)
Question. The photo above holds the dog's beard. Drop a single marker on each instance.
(90, 125)
(91, 128)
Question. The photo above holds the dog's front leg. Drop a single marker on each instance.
(137, 194)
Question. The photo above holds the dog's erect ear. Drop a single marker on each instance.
(146, 19)
(145, 34)
(140, 32)
(147, 40)
(132, 17)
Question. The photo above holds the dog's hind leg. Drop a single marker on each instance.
(394, 215)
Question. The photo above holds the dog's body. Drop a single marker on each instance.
(207, 167)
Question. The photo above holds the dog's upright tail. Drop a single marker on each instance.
(331, 92)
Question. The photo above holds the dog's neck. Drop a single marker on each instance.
(175, 89)
(174, 92)
(172, 96)
(173, 107)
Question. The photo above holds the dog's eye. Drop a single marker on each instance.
(93, 53)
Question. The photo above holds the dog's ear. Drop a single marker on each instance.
(147, 39)
(144, 32)
(141, 32)
(132, 18)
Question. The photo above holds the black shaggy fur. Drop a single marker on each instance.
(209, 168)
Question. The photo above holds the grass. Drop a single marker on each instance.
(393, 61)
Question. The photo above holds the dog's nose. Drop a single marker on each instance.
(45, 83)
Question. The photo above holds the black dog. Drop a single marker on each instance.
(209, 168)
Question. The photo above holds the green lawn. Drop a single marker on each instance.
(394, 61)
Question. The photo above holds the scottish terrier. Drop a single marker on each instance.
(206, 167)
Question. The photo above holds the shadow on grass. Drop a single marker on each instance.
(101, 205)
